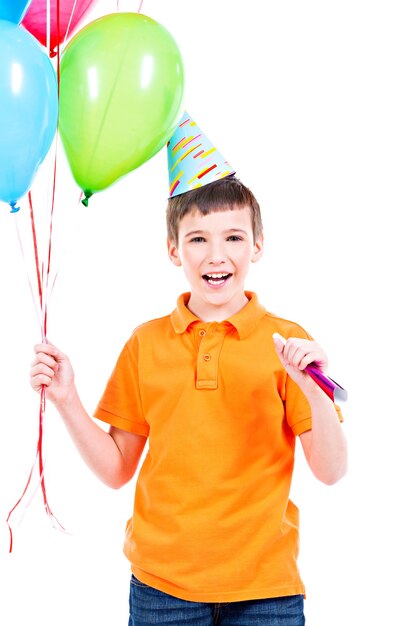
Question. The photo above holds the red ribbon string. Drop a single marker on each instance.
(35, 249)
(42, 278)
(42, 283)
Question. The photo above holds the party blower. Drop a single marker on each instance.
(327, 384)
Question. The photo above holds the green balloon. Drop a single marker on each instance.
(121, 95)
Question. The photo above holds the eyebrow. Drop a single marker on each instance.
(229, 230)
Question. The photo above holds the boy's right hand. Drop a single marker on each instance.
(52, 368)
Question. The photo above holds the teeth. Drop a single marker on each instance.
(217, 278)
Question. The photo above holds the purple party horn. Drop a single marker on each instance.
(333, 390)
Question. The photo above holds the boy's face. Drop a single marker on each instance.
(215, 251)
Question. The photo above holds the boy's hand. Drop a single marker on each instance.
(52, 368)
(296, 354)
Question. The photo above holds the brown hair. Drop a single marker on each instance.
(226, 193)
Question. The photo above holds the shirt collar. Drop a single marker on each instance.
(244, 321)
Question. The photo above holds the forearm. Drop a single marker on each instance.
(97, 447)
(325, 445)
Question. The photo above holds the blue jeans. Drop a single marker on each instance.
(148, 606)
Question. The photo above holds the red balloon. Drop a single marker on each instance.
(69, 15)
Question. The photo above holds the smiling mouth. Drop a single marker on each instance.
(217, 278)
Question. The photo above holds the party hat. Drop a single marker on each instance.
(193, 161)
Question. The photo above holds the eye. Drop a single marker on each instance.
(234, 238)
(197, 239)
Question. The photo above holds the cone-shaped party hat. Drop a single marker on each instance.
(192, 160)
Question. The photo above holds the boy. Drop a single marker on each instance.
(213, 538)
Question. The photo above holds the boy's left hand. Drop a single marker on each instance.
(296, 354)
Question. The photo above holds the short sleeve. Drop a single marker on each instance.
(298, 412)
(121, 405)
(297, 409)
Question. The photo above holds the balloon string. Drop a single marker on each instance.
(68, 25)
(48, 25)
(39, 451)
(39, 460)
(18, 503)
(52, 210)
(43, 284)
(35, 249)
(35, 304)
(43, 294)
(48, 509)
(58, 59)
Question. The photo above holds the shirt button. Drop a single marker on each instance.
(207, 357)
(202, 333)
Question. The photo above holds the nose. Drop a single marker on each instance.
(217, 254)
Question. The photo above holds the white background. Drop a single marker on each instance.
(315, 105)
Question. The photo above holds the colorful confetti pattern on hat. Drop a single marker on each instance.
(192, 160)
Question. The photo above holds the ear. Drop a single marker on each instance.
(258, 249)
(173, 253)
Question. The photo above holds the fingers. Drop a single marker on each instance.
(44, 361)
(42, 373)
(49, 354)
(299, 353)
(44, 366)
(47, 348)
(279, 343)
(40, 380)
(41, 369)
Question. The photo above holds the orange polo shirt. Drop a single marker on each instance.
(212, 519)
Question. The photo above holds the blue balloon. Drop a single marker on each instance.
(13, 10)
(28, 110)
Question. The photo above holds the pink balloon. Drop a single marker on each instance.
(70, 14)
